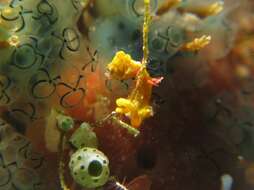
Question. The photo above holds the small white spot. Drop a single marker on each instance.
(226, 182)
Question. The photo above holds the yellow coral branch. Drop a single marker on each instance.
(197, 44)
(207, 10)
(215, 8)
(167, 5)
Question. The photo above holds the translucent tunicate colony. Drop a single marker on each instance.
(43, 37)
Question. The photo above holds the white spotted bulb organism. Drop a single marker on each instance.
(89, 167)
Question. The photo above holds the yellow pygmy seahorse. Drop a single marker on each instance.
(137, 105)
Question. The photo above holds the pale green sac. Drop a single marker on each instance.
(65, 123)
(89, 167)
(84, 137)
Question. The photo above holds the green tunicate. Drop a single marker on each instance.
(65, 123)
(89, 167)
(84, 137)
